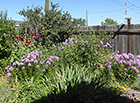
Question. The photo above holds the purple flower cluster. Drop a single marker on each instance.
(106, 45)
(68, 43)
(32, 59)
(123, 61)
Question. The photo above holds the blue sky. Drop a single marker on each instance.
(98, 10)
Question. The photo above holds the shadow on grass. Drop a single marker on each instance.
(84, 93)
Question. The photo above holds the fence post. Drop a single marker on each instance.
(129, 27)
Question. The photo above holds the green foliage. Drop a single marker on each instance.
(109, 21)
(7, 32)
(79, 22)
(54, 26)
(72, 83)
(6, 94)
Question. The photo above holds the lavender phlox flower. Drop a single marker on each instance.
(69, 46)
(137, 61)
(110, 57)
(64, 43)
(29, 64)
(8, 74)
(104, 45)
(22, 60)
(137, 71)
(101, 42)
(37, 55)
(98, 45)
(11, 68)
(27, 60)
(7, 67)
(44, 70)
(109, 66)
(46, 65)
(125, 56)
(59, 48)
(130, 55)
(76, 41)
(138, 56)
(118, 52)
(40, 52)
(131, 60)
(102, 61)
(36, 52)
(138, 76)
(125, 69)
(138, 65)
(128, 63)
(35, 61)
(82, 48)
(54, 57)
(21, 63)
(116, 59)
(70, 40)
(108, 44)
(109, 62)
(42, 56)
(134, 68)
(37, 66)
(23, 68)
(28, 55)
(34, 56)
(23, 56)
(48, 62)
(42, 62)
(105, 64)
(32, 60)
(15, 63)
(121, 62)
(98, 63)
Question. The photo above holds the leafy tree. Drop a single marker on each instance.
(53, 26)
(79, 21)
(109, 21)
(7, 31)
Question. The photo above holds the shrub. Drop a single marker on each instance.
(54, 26)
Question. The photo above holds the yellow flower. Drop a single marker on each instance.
(7, 81)
(0, 81)
(111, 83)
(0, 84)
(2, 78)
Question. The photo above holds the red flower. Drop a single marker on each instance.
(35, 36)
(16, 38)
(27, 43)
(23, 34)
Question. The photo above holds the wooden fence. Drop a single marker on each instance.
(127, 40)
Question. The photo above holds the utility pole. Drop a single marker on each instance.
(46, 5)
(87, 17)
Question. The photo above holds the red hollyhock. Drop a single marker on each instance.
(16, 38)
(27, 43)
(35, 36)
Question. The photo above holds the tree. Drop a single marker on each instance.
(79, 22)
(109, 21)
(54, 26)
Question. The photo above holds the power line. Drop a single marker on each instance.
(133, 4)
(108, 11)
(77, 7)
(117, 3)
